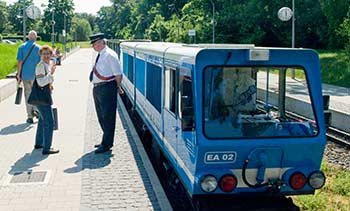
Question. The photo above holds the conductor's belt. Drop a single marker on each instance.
(104, 83)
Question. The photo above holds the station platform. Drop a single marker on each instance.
(297, 95)
(76, 178)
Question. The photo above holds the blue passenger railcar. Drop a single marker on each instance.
(221, 116)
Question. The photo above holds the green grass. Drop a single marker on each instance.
(335, 66)
(335, 195)
(8, 60)
(84, 44)
(8, 53)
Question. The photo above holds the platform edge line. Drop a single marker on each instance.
(157, 187)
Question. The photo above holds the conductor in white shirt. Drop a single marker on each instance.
(106, 77)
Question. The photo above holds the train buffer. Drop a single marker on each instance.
(76, 178)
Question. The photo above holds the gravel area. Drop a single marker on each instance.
(338, 155)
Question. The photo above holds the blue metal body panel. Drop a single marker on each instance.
(193, 155)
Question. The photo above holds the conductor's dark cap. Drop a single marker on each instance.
(96, 37)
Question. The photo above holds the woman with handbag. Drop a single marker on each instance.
(41, 97)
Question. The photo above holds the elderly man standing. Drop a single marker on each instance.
(28, 57)
(106, 77)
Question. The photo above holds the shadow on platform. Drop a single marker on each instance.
(27, 162)
(90, 161)
(14, 129)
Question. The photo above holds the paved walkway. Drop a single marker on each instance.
(76, 178)
(340, 96)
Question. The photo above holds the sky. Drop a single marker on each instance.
(89, 6)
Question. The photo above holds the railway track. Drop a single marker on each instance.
(339, 137)
(338, 146)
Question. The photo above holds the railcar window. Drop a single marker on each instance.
(257, 102)
(186, 103)
(140, 75)
(125, 64)
(153, 85)
(131, 68)
(170, 89)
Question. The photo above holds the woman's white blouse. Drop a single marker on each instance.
(43, 74)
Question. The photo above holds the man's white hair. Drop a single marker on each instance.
(32, 34)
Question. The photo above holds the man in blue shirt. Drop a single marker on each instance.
(26, 71)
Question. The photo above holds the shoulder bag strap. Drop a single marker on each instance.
(28, 54)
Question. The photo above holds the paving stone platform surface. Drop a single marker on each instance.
(76, 178)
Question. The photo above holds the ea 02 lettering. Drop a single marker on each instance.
(220, 157)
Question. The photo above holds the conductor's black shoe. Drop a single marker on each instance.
(102, 149)
(30, 121)
(36, 114)
(97, 145)
(51, 151)
(38, 147)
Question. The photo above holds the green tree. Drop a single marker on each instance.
(237, 21)
(197, 15)
(335, 12)
(15, 20)
(158, 29)
(122, 14)
(344, 31)
(3, 16)
(81, 28)
(61, 8)
(106, 21)
(89, 17)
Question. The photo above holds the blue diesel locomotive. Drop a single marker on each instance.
(220, 114)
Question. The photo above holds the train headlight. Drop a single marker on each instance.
(297, 181)
(317, 179)
(209, 183)
(228, 183)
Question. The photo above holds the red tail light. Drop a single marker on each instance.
(228, 183)
(297, 181)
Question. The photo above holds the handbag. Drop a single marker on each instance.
(40, 95)
(19, 94)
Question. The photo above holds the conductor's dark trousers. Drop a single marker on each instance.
(105, 97)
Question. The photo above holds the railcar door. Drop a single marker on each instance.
(171, 125)
(186, 139)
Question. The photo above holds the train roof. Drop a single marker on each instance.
(180, 51)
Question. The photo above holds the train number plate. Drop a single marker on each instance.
(220, 157)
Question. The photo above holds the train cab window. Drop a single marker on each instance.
(257, 102)
(171, 78)
(186, 111)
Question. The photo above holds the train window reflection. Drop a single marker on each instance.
(186, 113)
(257, 102)
(170, 89)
